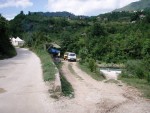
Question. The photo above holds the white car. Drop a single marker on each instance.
(72, 56)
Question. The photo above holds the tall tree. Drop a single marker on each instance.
(6, 49)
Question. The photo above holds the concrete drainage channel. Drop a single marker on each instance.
(110, 74)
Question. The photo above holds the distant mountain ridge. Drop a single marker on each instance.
(135, 6)
(56, 14)
(59, 14)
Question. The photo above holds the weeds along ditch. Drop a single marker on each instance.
(95, 74)
(67, 89)
(48, 66)
(141, 84)
(49, 71)
(137, 74)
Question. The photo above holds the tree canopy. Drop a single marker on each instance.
(110, 37)
(6, 49)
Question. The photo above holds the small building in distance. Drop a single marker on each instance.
(17, 41)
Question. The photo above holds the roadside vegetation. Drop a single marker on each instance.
(48, 66)
(92, 69)
(141, 84)
(49, 71)
(6, 49)
(67, 89)
(137, 69)
(137, 74)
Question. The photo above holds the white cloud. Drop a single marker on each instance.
(15, 3)
(86, 7)
(126, 2)
(9, 16)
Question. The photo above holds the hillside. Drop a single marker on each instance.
(58, 14)
(109, 37)
(55, 14)
(140, 5)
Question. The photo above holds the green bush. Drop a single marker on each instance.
(92, 65)
(148, 77)
(146, 63)
(136, 69)
(133, 69)
(83, 55)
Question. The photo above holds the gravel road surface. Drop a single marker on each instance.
(22, 89)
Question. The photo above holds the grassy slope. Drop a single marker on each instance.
(140, 84)
(47, 65)
(95, 75)
(136, 6)
(49, 72)
(67, 88)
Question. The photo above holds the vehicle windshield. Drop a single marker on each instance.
(72, 54)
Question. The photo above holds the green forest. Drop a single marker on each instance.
(116, 37)
(112, 37)
(6, 49)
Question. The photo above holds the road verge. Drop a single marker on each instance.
(50, 70)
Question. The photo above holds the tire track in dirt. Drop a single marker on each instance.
(73, 72)
(87, 90)
(100, 97)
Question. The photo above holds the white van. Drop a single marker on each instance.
(71, 56)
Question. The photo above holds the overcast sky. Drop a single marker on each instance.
(10, 8)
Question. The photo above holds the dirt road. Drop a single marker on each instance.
(92, 96)
(22, 89)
